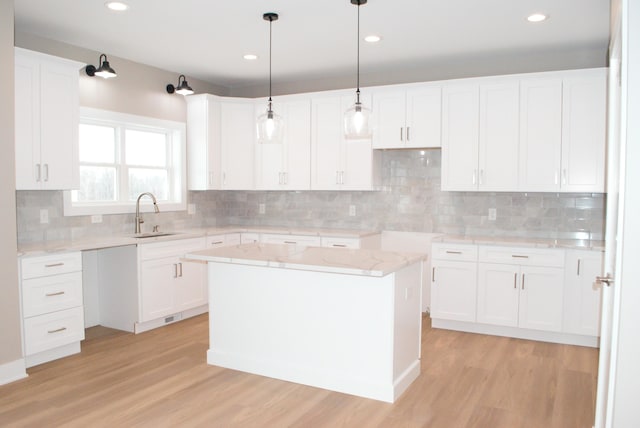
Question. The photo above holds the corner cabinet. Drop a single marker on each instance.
(407, 117)
(286, 166)
(338, 163)
(220, 143)
(46, 121)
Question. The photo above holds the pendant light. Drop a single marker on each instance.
(270, 126)
(357, 119)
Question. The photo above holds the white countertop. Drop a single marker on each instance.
(318, 259)
(578, 244)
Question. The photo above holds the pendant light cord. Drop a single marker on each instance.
(270, 37)
(358, 56)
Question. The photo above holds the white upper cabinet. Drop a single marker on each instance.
(286, 166)
(220, 143)
(46, 121)
(460, 131)
(338, 163)
(584, 132)
(407, 118)
(540, 134)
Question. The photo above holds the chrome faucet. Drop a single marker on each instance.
(139, 219)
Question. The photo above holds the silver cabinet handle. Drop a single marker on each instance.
(339, 245)
(433, 274)
(578, 271)
(453, 252)
(46, 172)
(519, 256)
(57, 330)
(401, 139)
(290, 242)
(217, 242)
(473, 176)
(523, 281)
(408, 133)
(58, 293)
(515, 280)
(54, 265)
(555, 177)
(175, 270)
(39, 172)
(180, 264)
(564, 176)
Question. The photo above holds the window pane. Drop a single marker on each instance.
(97, 143)
(148, 180)
(145, 148)
(97, 184)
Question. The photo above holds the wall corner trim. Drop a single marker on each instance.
(12, 371)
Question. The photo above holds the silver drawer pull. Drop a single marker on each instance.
(217, 242)
(454, 252)
(519, 257)
(339, 245)
(54, 265)
(58, 293)
(57, 330)
(290, 242)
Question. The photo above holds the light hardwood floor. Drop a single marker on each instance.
(161, 379)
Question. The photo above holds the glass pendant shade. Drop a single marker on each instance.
(357, 122)
(270, 127)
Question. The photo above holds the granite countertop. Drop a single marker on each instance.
(579, 244)
(331, 260)
(99, 242)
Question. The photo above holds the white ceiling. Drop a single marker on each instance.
(206, 39)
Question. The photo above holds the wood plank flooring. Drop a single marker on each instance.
(160, 379)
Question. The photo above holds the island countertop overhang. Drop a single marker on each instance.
(318, 259)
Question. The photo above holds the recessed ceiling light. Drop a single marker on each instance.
(118, 6)
(537, 17)
(250, 57)
(372, 38)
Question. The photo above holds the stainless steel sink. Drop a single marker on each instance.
(152, 234)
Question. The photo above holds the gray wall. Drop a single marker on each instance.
(410, 200)
(10, 342)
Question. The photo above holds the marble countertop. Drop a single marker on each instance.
(98, 242)
(331, 260)
(579, 244)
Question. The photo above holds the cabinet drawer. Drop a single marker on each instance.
(49, 331)
(249, 238)
(303, 240)
(178, 248)
(522, 256)
(51, 293)
(33, 267)
(223, 240)
(341, 242)
(460, 252)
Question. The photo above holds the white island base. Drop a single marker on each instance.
(356, 334)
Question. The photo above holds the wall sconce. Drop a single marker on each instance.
(105, 71)
(183, 87)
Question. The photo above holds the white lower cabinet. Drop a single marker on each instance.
(582, 301)
(299, 240)
(453, 282)
(52, 306)
(169, 284)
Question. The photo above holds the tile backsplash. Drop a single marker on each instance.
(410, 200)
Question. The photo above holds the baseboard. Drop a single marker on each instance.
(12, 371)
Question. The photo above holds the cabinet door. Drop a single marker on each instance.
(203, 143)
(453, 290)
(297, 159)
(356, 166)
(237, 135)
(27, 123)
(541, 291)
(581, 299)
(584, 133)
(498, 294)
(460, 116)
(190, 285)
(157, 288)
(389, 116)
(499, 137)
(59, 122)
(423, 117)
(327, 136)
(540, 134)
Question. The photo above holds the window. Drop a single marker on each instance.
(121, 156)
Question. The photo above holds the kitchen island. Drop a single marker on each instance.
(340, 319)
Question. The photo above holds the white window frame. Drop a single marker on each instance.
(177, 158)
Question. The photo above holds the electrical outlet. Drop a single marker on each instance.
(492, 214)
(97, 218)
(191, 209)
(44, 216)
(352, 210)
(261, 208)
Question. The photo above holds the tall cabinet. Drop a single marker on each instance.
(46, 121)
